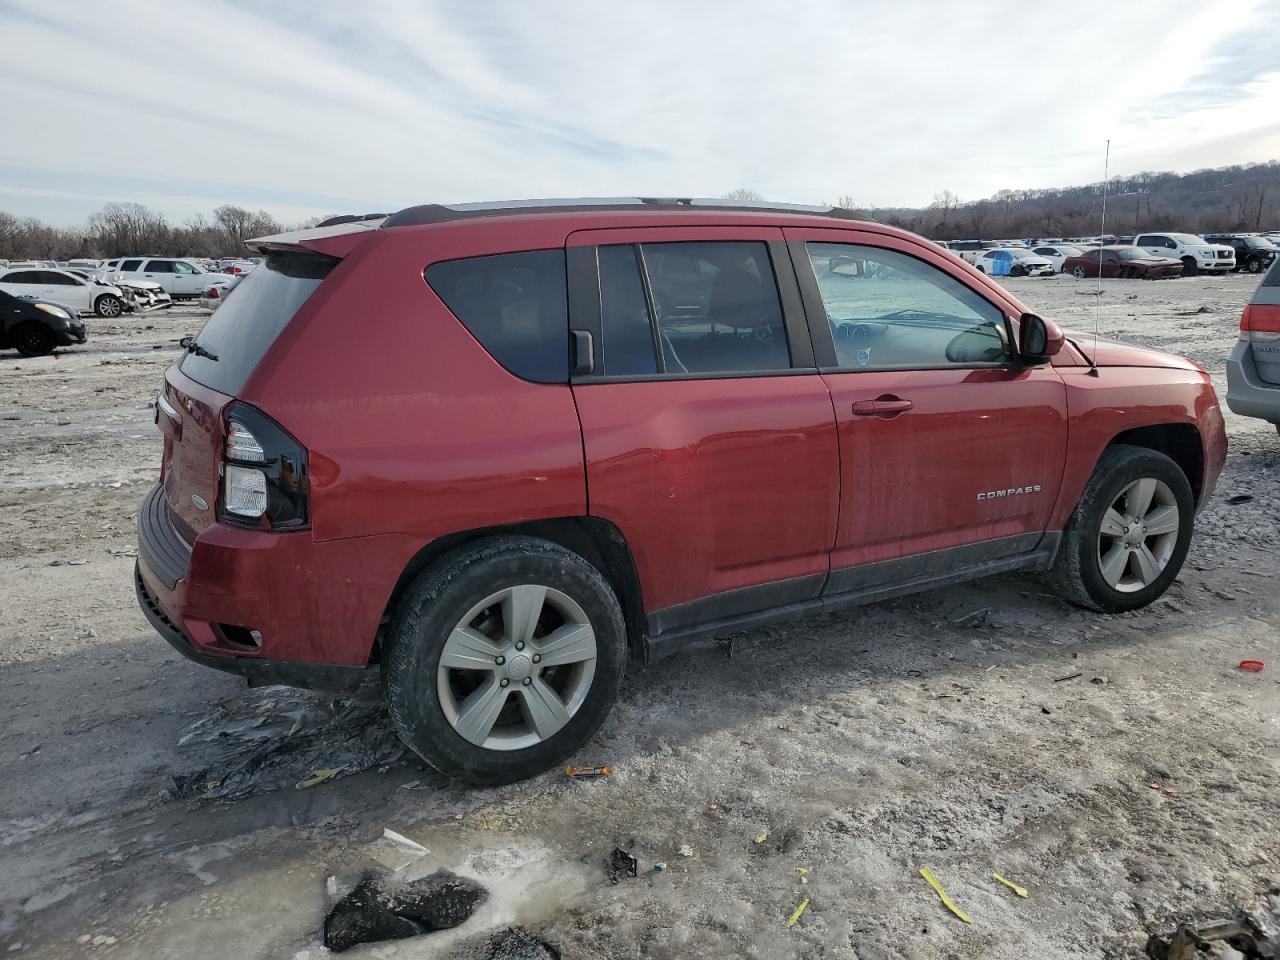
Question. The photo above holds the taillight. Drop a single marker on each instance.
(1260, 321)
(213, 293)
(264, 474)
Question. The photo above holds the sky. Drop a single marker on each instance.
(308, 107)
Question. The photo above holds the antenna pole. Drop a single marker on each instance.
(1102, 236)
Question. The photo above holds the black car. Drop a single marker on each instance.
(35, 327)
(1252, 253)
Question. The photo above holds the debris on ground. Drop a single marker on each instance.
(762, 837)
(795, 914)
(400, 839)
(622, 866)
(942, 894)
(1020, 891)
(519, 944)
(1239, 498)
(1252, 666)
(276, 737)
(685, 850)
(1069, 676)
(371, 912)
(584, 773)
(1241, 934)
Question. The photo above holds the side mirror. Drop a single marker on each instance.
(1038, 339)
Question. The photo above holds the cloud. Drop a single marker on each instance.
(318, 106)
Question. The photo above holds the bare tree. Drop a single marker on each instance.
(743, 193)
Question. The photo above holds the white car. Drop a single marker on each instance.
(1057, 253)
(144, 294)
(65, 288)
(180, 278)
(1013, 262)
(1196, 253)
(214, 297)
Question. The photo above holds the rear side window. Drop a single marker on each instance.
(515, 304)
(240, 332)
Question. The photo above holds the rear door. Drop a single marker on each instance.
(951, 451)
(161, 271)
(709, 435)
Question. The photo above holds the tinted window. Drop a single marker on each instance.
(52, 279)
(515, 304)
(628, 333)
(159, 266)
(1145, 241)
(889, 310)
(129, 266)
(22, 276)
(240, 331)
(716, 306)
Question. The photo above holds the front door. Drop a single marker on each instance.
(951, 451)
(709, 437)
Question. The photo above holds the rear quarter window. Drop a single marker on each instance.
(516, 305)
(240, 332)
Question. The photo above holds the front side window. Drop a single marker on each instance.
(888, 310)
(515, 304)
(181, 266)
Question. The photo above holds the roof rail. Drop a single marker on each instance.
(443, 212)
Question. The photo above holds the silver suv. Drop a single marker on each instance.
(1253, 369)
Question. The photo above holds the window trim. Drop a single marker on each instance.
(824, 345)
(585, 310)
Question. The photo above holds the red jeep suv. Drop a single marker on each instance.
(492, 453)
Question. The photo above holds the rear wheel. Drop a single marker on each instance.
(1189, 267)
(33, 340)
(1128, 536)
(504, 658)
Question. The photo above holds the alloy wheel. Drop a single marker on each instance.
(1138, 535)
(517, 667)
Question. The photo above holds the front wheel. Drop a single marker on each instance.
(1128, 536)
(1189, 267)
(503, 659)
(34, 340)
(1078, 273)
(1254, 266)
(108, 306)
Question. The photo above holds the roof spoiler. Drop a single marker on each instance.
(335, 237)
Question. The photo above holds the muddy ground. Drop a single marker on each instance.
(149, 807)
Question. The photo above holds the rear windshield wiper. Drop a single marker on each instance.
(189, 344)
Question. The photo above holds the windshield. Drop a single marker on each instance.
(1258, 243)
(240, 332)
(1131, 254)
(1021, 254)
(1186, 238)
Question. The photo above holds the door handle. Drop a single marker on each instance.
(887, 407)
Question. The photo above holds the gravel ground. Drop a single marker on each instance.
(149, 807)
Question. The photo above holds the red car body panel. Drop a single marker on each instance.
(414, 432)
(1150, 268)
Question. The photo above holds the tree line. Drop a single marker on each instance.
(1236, 198)
(127, 229)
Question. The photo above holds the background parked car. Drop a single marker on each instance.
(235, 268)
(215, 295)
(1253, 254)
(1196, 253)
(65, 288)
(1253, 368)
(142, 294)
(1058, 253)
(180, 278)
(35, 327)
(1123, 263)
(1013, 262)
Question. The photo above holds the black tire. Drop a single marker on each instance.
(437, 601)
(1253, 265)
(1017, 270)
(1078, 273)
(33, 340)
(108, 306)
(1189, 267)
(981, 269)
(1077, 574)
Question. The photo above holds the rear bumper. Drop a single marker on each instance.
(1247, 393)
(315, 607)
